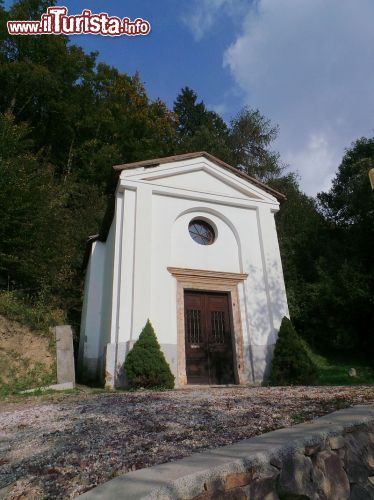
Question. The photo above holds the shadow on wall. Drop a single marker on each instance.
(263, 318)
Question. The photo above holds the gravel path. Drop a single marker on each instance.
(58, 449)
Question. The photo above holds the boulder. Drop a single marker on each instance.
(296, 477)
(330, 476)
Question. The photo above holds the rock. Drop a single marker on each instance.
(238, 479)
(265, 486)
(312, 449)
(362, 492)
(356, 459)
(371, 436)
(330, 475)
(276, 461)
(236, 494)
(370, 462)
(336, 442)
(352, 372)
(296, 477)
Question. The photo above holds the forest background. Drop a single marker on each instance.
(66, 119)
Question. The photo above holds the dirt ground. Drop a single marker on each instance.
(58, 447)
(21, 352)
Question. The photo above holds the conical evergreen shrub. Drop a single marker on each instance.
(145, 365)
(291, 362)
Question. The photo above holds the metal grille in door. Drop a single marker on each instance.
(193, 322)
(218, 327)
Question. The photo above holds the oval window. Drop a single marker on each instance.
(201, 232)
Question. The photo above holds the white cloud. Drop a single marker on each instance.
(317, 159)
(203, 14)
(220, 108)
(309, 66)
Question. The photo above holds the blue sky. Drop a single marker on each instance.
(169, 58)
(308, 65)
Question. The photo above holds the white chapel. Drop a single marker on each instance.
(190, 244)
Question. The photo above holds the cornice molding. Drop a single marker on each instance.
(204, 276)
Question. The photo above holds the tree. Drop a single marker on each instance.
(200, 129)
(349, 209)
(326, 246)
(84, 116)
(79, 118)
(350, 201)
(66, 119)
(191, 114)
(291, 363)
(244, 144)
(30, 204)
(303, 237)
(145, 365)
(41, 78)
(251, 135)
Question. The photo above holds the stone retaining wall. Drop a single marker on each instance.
(329, 458)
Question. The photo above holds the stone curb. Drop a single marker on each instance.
(193, 477)
(54, 387)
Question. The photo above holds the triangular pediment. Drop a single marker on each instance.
(199, 176)
(203, 181)
(189, 162)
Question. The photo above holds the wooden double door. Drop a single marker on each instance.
(208, 338)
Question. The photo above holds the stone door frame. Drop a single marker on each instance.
(210, 281)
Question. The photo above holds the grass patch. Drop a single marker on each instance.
(37, 316)
(19, 373)
(333, 370)
(79, 392)
(298, 418)
(40, 395)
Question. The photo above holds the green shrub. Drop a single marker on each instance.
(145, 365)
(291, 362)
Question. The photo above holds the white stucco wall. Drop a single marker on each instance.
(91, 332)
(150, 233)
(107, 287)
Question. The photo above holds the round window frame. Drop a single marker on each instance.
(209, 223)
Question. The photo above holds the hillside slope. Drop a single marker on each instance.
(27, 357)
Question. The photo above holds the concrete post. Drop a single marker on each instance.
(64, 354)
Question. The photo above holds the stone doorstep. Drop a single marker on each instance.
(192, 476)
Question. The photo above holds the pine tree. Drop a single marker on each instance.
(291, 362)
(145, 365)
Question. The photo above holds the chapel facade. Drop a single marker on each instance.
(191, 244)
